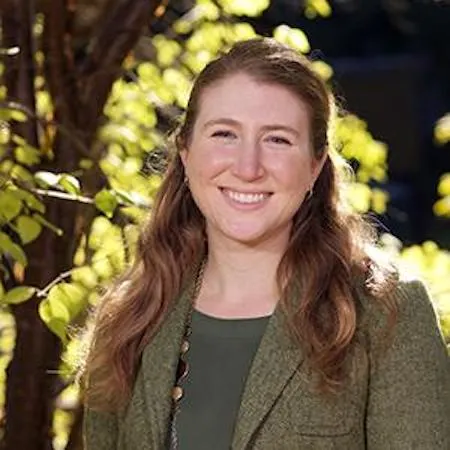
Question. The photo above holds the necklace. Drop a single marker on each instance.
(183, 366)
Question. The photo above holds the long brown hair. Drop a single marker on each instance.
(325, 254)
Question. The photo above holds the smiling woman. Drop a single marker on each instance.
(250, 166)
(255, 315)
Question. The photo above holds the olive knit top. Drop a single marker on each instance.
(219, 358)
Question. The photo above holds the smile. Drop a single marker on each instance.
(246, 197)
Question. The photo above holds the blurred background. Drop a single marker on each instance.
(89, 90)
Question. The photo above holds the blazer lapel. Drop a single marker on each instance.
(276, 361)
(159, 362)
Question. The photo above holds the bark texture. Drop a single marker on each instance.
(79, 87)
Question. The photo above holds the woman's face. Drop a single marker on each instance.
(249, 160)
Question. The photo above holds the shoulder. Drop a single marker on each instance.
(409, 297)
(411, 331)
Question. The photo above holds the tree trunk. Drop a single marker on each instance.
(36, 354)
(79, 90)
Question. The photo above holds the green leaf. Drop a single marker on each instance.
(293, 37)
(12, 113)
(106, 202)
(69, 184)
(2, 291)
(47, 178)
(14, 250)
(18, 295)
(54, 324)
(103, 267)
(27, 155)
(315, 8)
(19, 172)
(30, 200)
(323, 69)
(251, 8)
(85, 276)
(28, 229)
(66, 300)
(43, 221)
(5, 132)
(10, 205)
(442, 130)
(444, 185)
(99, 228)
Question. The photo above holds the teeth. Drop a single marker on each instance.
(240, 197)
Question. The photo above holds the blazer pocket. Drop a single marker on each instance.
(314, 414)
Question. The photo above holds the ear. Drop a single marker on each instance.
(317, 166)
(183, 156)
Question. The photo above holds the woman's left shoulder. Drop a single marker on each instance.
(411, 324)
(409, 371)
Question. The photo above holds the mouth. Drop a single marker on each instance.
(246, 198)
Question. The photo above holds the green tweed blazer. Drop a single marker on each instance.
(398, 398)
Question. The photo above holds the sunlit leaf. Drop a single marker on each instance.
(56, 325)
(442, 207)
(28, 229)
(13, 249)
(102, 267)
(251, 8)
(27, 155)
(12, 113)
(44, 103)
(167, 50)
(65, 301)
(85, 276)
(442, 130)
(47, 178)
(5, 132)
(293, 37)
(323, 69)
(314, 8)
(359, 196)
(69, 184)
(30, 200)
(106, 202)
(10, 205)
(379, 201)
(18, 172)
(444, 185)
(99, 228)
(18, 295)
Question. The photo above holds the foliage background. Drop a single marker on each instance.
(86, 102)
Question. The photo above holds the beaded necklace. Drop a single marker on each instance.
(183, 367)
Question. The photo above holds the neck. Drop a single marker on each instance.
(240, 280)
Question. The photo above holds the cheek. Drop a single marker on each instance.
(203, 164)
(295, 172)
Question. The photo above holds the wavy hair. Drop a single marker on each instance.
(325, 254)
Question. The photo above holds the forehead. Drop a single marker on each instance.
(244, 98)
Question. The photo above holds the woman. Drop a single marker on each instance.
(254, 316)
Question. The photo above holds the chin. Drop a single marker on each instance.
(250, 239)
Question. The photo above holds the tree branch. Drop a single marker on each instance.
(17, 18)
(116, 37)
(59, 62)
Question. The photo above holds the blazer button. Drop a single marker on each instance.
(177, 393)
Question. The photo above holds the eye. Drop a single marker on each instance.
(224, 134)
(279, 140)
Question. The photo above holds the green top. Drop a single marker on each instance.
(220, 354)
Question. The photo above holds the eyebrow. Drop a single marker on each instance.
(233, 122)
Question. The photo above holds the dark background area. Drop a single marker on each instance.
(392, 66)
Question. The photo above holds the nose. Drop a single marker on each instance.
(248, 164)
